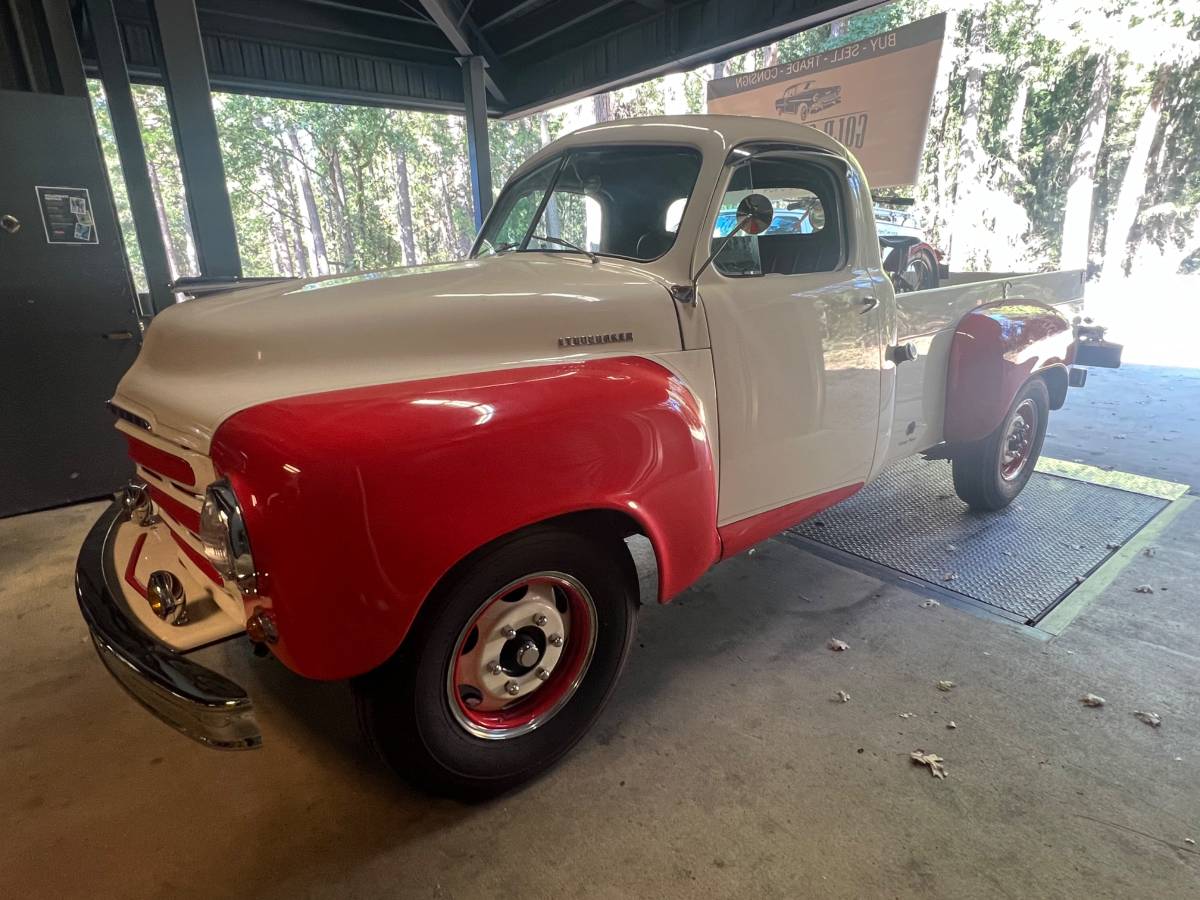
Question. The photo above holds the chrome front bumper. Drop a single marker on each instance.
(203, 704)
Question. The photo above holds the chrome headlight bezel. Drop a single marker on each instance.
(224, 538)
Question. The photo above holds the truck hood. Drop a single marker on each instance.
(207, 358)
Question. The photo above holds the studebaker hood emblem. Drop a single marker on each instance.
(207, 358)
(592, 340)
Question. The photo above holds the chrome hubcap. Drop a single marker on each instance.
(521, 656)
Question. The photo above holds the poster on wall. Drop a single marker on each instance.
(872, 95)
(67, 215)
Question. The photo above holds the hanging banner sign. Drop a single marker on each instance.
(872, 95)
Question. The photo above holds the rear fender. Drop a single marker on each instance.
(359, 501)
(996, 349)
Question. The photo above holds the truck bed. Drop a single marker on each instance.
(927, 318)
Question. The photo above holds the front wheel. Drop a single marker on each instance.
(988, 474)
(509, 665)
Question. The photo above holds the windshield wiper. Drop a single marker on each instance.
(553, 240)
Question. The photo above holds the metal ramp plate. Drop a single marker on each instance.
(1019, 562)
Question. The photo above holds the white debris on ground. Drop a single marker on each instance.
(1189, 841)
(1153, 719)
(1080, 579)
(945, 685)
(1112, 545)
(950, 576)
(1092, 700)
(1150, 551)
(843, 697)
(1143, 589)
(908, 715)
(936, 769)
(952, 725)
(951, 548)
(835, 644)
(929, 604)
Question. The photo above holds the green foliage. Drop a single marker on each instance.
(322, 188)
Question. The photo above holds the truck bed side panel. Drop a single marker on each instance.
(929, 319)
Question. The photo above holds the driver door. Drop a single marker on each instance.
(795, 334)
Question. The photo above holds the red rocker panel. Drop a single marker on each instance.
(996, 348)
(358, 501)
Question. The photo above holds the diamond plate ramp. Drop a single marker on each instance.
(1022, 560)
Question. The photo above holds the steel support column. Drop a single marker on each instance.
(479, 153)
(189, 98)
(115, 76)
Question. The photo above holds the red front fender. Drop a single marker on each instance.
(996, 349)
(358, 501)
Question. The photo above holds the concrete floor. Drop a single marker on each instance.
(724, 765)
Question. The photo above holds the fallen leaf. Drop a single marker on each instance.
(1092, 700)
(929, 604)
(952, 724)
(951, 548)
(843, 697)
(1080, 579)
(936, 769)
(835, 644)
(1119, 437)
(1143, 589)
(1009, 553)
(1150, 551)
(1152, 719)
(945, 685)
(1112, 545)
(1075, 546)
(950, 576)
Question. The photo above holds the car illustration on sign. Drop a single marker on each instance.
(804, 99)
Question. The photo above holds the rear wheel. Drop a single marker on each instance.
(509, 666)
(988, 474)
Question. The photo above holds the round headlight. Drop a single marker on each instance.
(223, 534)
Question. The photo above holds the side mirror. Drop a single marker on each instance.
(754, 216)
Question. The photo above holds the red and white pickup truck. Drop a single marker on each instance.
(422, 479)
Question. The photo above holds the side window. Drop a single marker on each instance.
(807, 233)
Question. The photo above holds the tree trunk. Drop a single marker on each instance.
(338, 195)
(602, 104)
(674, 94)
(163, 225)
(313, 215)
(967, 211)
(1016, 118)
(1133, 183)
(404, 209)
(1077, 219)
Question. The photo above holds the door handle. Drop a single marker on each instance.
(868, 303)
(117, 335)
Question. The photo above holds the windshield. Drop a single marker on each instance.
(612, 201)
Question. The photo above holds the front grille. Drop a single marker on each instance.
(176, 480)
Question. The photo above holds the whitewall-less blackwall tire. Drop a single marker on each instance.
(510, 662)
(988, 474)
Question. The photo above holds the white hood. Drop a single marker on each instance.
(208, 358)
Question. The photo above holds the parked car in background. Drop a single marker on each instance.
(422, 480)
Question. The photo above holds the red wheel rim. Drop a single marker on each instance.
(521, 656)
(1018, 442)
